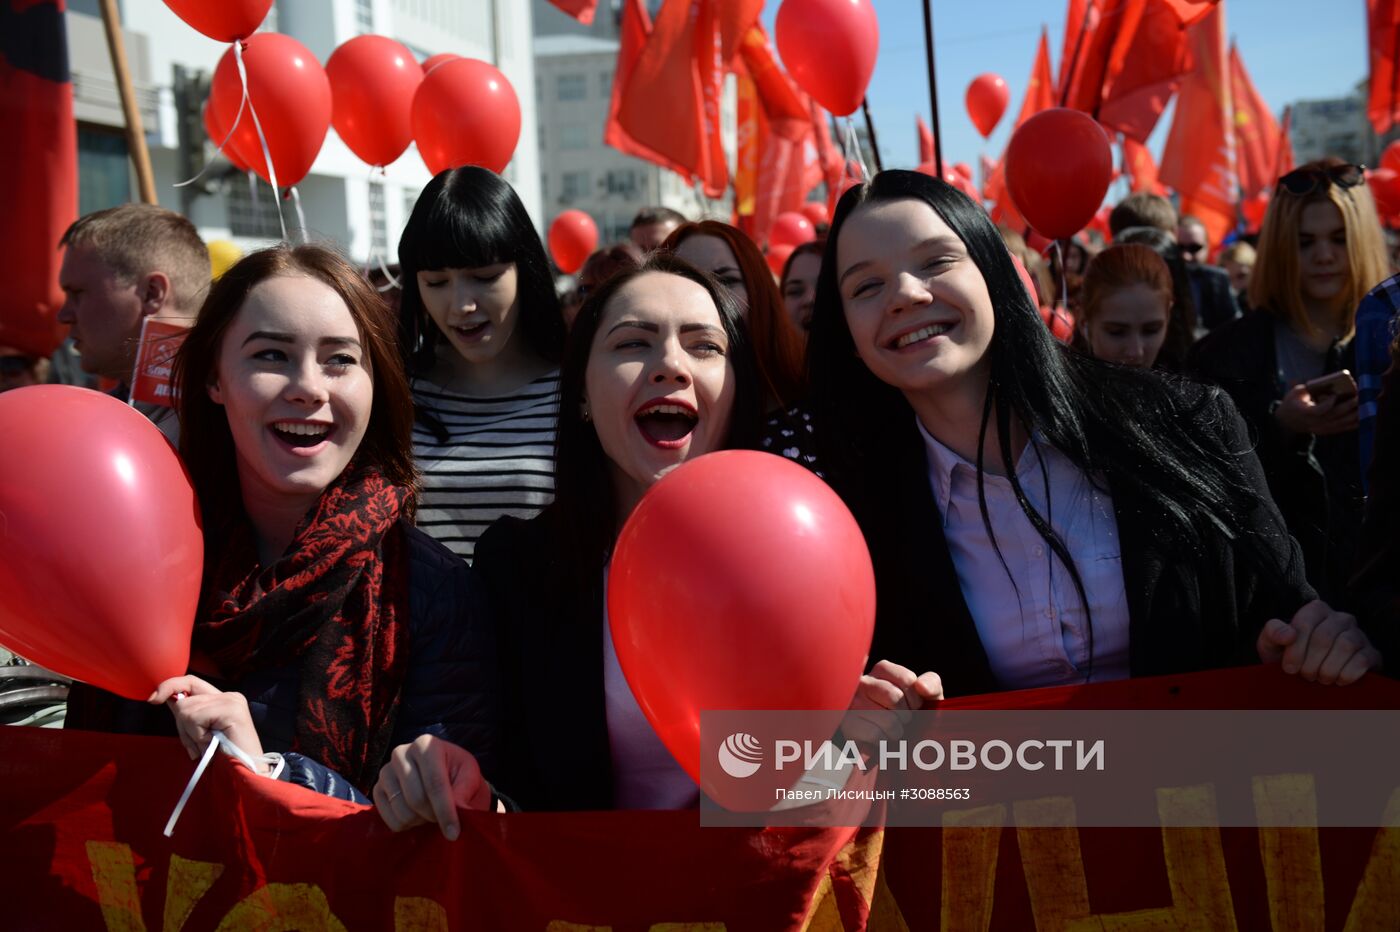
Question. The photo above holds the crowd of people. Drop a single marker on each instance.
(409, 505)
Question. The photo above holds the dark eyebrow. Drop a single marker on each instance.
(701, 328)
(931, 241)
(289, 338)
(639, 324)
(726, 268)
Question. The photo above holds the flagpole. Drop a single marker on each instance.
(135, 135)
(1074, 57)
(933, 88)
(870, 131)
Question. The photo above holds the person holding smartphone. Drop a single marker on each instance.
(1286, 363)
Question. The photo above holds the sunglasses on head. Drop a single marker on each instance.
(1305, 181)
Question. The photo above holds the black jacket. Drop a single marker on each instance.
(1375, 588)
(1215, 301)
(1184, 614)
(450, 689)
(1316, 481)
(555, 751)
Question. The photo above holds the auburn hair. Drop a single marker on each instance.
(1124, 266)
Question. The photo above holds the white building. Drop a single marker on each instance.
(574, 75)
(1337, 127)
(171, 64)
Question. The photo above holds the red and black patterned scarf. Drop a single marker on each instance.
(336, 605)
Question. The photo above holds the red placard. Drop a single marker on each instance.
(150, 379)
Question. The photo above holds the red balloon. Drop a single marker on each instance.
(1060, 322)
(778, 255)
(815, 211)
(440, 58)
(216, 132)
(791, 228)
(1026, 279)
(1385, 190)
(987, 97)
(740, 581)
(225, 20)
(373, 80)
(288, 89)
(572, 238)
(829, 48)
(1057, 169)
(1390, 158)
(963, 169)
(466, 113)
(101, 550)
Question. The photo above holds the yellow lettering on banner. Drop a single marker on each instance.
(861, 861)
(687, 927)
(885, 914)
(1142, 920)
(114, 872)
(283, 907)
(419, 914)
(185, 885)
(823, 915)
(1195, 859)
(1052, 860)
(559, 925)
(971, 838)
(1292, 859)
(1376, 906)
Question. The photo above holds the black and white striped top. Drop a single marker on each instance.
(498, 459)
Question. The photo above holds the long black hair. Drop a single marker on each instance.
(1113, 422)
(583, 515)
(467, 218)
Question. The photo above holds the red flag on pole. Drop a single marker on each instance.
(40, 170)
(1040, 95)
(925, 140)
(1196, 161)
(1190, 12)
(1081, 16)
(1383, 37)
(1283, 161)
(581, 10)
(1256, 133)
(1140, 167)
(636, 27)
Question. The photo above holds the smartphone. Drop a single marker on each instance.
(1335, 384)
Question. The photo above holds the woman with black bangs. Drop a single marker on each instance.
(482, 335)
(1036, 517)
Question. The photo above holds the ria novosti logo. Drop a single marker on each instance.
(740, 755)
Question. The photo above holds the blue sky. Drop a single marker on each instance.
(1294, 50)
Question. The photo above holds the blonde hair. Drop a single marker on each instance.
(134, 240)
(1276, 283)
(1238, 251)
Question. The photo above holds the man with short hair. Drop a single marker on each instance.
(1191, 236)
(1142, 210)
(1210, 286)
(652, 225)
(122, 265)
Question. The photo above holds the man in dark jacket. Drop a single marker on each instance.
(1210, 286)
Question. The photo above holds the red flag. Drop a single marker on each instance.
(1383, 38)
(581, 10)
(1081, 16)
(925, 140)
(40, 171)
(1040, 95)
(1190, 12)
(1126, 64)
(1283, 161)
(1140, 167)
(636, 27)
(781, 101)
(1256, 133)
(1196, 161)
(670, 103)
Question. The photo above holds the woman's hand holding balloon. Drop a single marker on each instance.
(200, 709)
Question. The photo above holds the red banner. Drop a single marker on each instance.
(81, 847)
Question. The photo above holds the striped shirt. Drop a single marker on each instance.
(498, 459)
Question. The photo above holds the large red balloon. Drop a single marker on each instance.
(225, 20)
(572, 238)
(1058, 167)
(987, 97)
(791, 228)
(778, 255)
(217, 132)
(740, 581)
(440, 58)
(466, 113)
(100, 543)
(1385, 189)
(290, 92)
(1390, 158)
(829, 48)
(373, 80)
(815, 211)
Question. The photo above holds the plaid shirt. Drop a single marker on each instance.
(1377, 321)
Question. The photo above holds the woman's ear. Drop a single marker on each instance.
(216, 394)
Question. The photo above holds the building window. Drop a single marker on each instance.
(378, 220)
(364, 16)
(410, 200)
(622, 181)
(575, 185)
(605, 84)
(570, 87)
(252, 209)
(104, 175)
(574, 136)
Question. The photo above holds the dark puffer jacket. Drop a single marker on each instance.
(450, 689)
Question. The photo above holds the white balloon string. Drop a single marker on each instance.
(257, 127)
(374, 251)
(301, 217)
(851, 143)
(219, 740)
(238, 56)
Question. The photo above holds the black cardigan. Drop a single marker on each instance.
(1184, 614)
